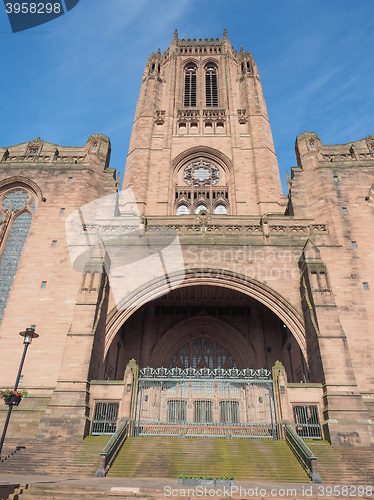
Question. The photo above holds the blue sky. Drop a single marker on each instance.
(80, 74)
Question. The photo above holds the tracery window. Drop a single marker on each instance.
(220, 210)
(190, 86)
(211, 89)
(201, 186)
(200, 208)
(202, 353)
(201, 173)
(15, 221)
(182, 210)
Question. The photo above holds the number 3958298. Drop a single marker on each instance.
(33, 8)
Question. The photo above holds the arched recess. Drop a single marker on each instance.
(212, 277)
(7, 217)
(18, 201)
(18, 181)
(217, 158)
(243, 352)
(210, 153)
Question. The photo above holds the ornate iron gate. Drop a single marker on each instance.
(203, 402)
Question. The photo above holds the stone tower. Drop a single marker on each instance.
(198, 98)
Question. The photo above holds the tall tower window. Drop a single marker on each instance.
(19, 223)
(211, 91)
(190, 87)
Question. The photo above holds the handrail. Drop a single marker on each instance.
(112, 448)
(304, 455)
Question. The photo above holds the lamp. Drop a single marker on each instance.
(28, 335)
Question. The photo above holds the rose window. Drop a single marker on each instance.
(201, 173)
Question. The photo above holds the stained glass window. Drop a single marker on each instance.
(16, 240)
(202, 353)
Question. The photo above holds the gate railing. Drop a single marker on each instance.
(205, 402)
(112, 448)
(304, 455)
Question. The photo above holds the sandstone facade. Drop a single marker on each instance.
(200, 248)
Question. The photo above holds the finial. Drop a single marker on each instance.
(176, 34)
(241, 49)
(224, 32)
(159, 51)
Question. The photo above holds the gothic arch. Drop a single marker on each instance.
(211, 153)
(219, 161)
(18, 201)
(7, 217)
(212, 277)
(179, 334)
(191, 61)
(211, 61)
(21, 182)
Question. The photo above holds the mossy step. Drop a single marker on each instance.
(245, 459)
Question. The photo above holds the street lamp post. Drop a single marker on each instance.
(28, 335)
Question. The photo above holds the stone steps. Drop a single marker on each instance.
(344, 465)
(245, 459)
(53, 457)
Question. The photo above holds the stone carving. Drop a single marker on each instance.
(242, 118)
(201, 173)
(4, 224)
(216, 373)
(160, 117)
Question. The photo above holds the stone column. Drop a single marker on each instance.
(128, 403)
(67, 415)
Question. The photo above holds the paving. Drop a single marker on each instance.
(51, 487)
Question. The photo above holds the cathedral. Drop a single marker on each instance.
(195, 299)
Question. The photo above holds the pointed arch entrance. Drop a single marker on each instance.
(205, 352)
(213, 295)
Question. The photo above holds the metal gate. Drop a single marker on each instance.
(307, 422)
(203, 402)
(105, 418)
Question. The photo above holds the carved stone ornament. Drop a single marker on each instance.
(160, 117)
(36, 143)
(370, 143)
(217, 373)
(242, 119)
(201, 173)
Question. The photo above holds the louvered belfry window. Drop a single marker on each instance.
(190, 87)
(211, 91)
